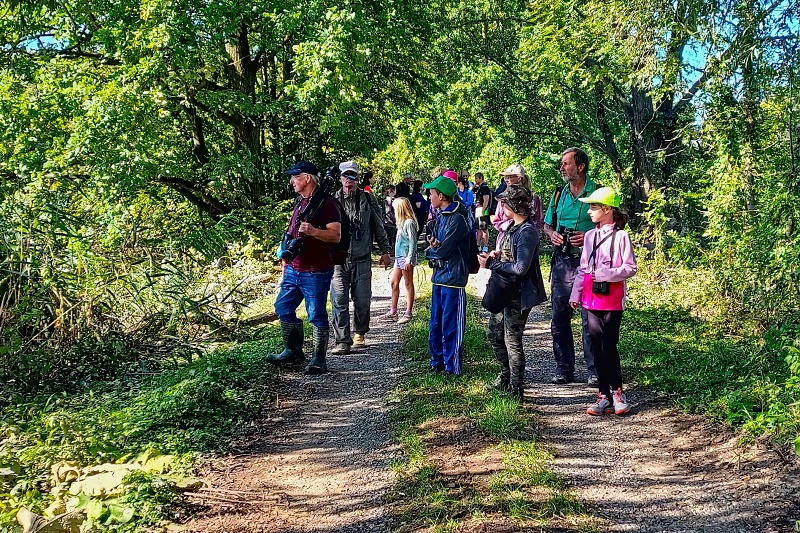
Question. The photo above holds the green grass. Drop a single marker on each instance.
(524, 491)
(673, 344)
(197, 407)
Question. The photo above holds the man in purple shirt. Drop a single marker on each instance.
(308, 270)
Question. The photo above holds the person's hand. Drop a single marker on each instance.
(408, 266)
(308, 229)
(576, 239)
(556, 238)
(574, 305)
(482, 260)
(435, 243)
(494, 253)
(385, 261)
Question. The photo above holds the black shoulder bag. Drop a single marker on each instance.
(501, 289)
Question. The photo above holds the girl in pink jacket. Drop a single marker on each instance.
(606, 262)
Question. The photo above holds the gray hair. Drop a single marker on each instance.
(581, 157)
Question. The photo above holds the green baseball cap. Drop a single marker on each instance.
(444, 185)
(604, 196)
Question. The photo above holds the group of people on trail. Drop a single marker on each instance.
(328, 249)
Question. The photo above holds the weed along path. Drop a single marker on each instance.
(656, 470)
(320, 461)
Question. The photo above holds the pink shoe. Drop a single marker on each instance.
(405, 319)
(601, 406)
(389, 315)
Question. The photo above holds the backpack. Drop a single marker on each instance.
(341, 249)
(473, 266)
(472, 259)
(556, 197)
(492, 202)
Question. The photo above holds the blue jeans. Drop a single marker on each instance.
(311, 286)
(448, 322)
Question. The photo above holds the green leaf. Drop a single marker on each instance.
(95, 510)
(119, 513)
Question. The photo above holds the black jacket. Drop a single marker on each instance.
(525, 251)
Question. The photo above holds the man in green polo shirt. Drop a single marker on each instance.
(566, 216)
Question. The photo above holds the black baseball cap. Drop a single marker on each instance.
(303, 166)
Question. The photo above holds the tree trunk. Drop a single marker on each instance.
(242, 73)
(749, 104)
(643, 145)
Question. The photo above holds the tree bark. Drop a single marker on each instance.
(242, 72)
(643, 146)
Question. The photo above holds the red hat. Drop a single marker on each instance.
(451, 174)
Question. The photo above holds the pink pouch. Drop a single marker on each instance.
(602, 302)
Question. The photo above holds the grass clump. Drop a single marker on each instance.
(440, 419)
(189, 409)
(676, 343)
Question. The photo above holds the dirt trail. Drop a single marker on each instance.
(656, 470)
(322, 462)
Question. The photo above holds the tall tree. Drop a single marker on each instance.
(213, 99)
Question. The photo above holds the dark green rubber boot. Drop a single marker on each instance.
(292, 333)
(320, 343)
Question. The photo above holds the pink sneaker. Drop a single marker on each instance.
(405, 319)
(601, 406)
(621, 405)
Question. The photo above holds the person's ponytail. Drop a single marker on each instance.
(620, 218)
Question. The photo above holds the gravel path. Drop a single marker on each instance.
(324, 457)
(655, 470)
(321, 463)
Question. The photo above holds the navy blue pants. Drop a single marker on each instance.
(563, 272)
(448, 322)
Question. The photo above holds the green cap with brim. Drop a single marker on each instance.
(603, 195)
(444, 185)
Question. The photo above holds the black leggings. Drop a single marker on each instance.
(603, 329)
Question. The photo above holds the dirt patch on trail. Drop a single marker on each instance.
(657, 469)
(460, 451)
(320, 458)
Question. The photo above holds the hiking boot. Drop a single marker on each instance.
(601, 406)
(592, 381)
(358, 339)
(341, 348)
(317, 364)
(561, 379)
(500, 383)
(292, 333)
(405, 319)
(436, 369)
(621, 405)
(389, 315)
(517, 392)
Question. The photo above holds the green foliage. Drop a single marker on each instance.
(193, 408)
(676, 341)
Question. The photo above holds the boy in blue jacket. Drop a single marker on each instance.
(447, 253)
